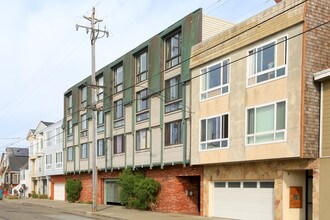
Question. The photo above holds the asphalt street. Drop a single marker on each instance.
(13, 211)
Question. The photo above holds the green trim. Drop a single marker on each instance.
(79, 143)
(150, 131)
(133, 135)
(184, 101)
(111, 138)
(65, 153)
(125, 141)
(88, 148)
(161, 130)
(74, 150)
(105, 142)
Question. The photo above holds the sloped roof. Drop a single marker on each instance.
(17, 157)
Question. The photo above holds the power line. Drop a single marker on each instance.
(257, 25)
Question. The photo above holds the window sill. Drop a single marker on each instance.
(214, 149)
(264, 82)
(172, 68)
(119, 154)
(173, 146)
(214, 97)
(264, 143)
(83, 159)
(142, 151)
(100, 156)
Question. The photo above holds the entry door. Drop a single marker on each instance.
(112, 190)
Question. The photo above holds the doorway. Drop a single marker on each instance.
(111, 192)
(309, 194)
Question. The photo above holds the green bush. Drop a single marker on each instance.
(137, 191)
(73, 189)
(35, 196)
(43, 196)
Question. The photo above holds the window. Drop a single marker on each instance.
(58, 159)
(267, 62)
(58, 136)
(119, 144)
(142, 105)
(70, 130)
(266, 123)
(141, 139)
(173, 133)
(215, 80)
(70, 153)
(100, 121)
(214, 132)
(100, 147)
(83, 95)
(49, 138)
(118, 113)
(84, 151)
(118, 79)
(142, 66)
(8, 178)
(84, 123)
(48, 161)
(173, 94)
(69, 104)
(173, 49)
(15, 178)
(100, 83)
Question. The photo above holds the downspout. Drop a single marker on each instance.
(150, 130)
(88, 145)
(125, 142)
(79, 146)
(133, 132)
(184, 152)
(105, 143)
(74, 151)
(161, 131)
(111, 138)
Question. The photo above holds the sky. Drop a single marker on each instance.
(42, 55)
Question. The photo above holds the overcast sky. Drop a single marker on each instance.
(42, 55)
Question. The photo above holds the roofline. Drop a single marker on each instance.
(322, 75)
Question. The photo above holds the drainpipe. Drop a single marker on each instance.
(184, 124)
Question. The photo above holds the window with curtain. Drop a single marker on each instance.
(214, 132)
(119, 144)
(173, 133)
(173, 49)
(173, 94)
(142, 105)
(118, 79)
(266, 123)
(84, 151)
(141, 139)
(100, 121)
(83, 95)
(118, 113)
(99, 82)
(142, 66)
(100, 147)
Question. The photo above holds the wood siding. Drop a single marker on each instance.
(326, 120)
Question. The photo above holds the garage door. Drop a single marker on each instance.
(59, 191)
(243, 200)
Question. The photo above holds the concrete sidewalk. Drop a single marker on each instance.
(114, 212)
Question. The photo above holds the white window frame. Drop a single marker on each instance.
(274, 131)
(273, 40)
(147, 147)
(70, 154)
(98, 147)
(58, 136)
(83, 157)
(100, 84)
(48, 161)
(49, 138)
(221, 139)
(203, 77)
(15, 178)
(138, 66)
(59, 164)
(118, 86)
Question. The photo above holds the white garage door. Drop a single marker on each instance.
(243, 200)
(59, 191)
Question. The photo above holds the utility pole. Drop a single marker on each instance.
(94, 36)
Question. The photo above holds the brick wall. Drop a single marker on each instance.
(317, 53)
(175, 182)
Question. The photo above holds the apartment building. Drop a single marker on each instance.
(35, 137)
(143, 118)
(11, 161)
(255, 127)
(53, 162)
(323, 78)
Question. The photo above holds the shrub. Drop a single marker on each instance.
(137, 191)
(35, 196)
(73, 189)
(43, 196)
(12, 197)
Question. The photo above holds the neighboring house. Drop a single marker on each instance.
(11, 161)
(255, 126)
(53, 162)
(146, 126)
(36, 158)
(323, 77)
(25, 180)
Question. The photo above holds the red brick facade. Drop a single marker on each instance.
(180, 187)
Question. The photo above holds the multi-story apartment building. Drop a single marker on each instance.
(36, 158)
(11, 161)
(323, 77)
(255, 126)
(143, 118)
(53, 162)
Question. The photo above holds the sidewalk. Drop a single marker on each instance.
(114, 212)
